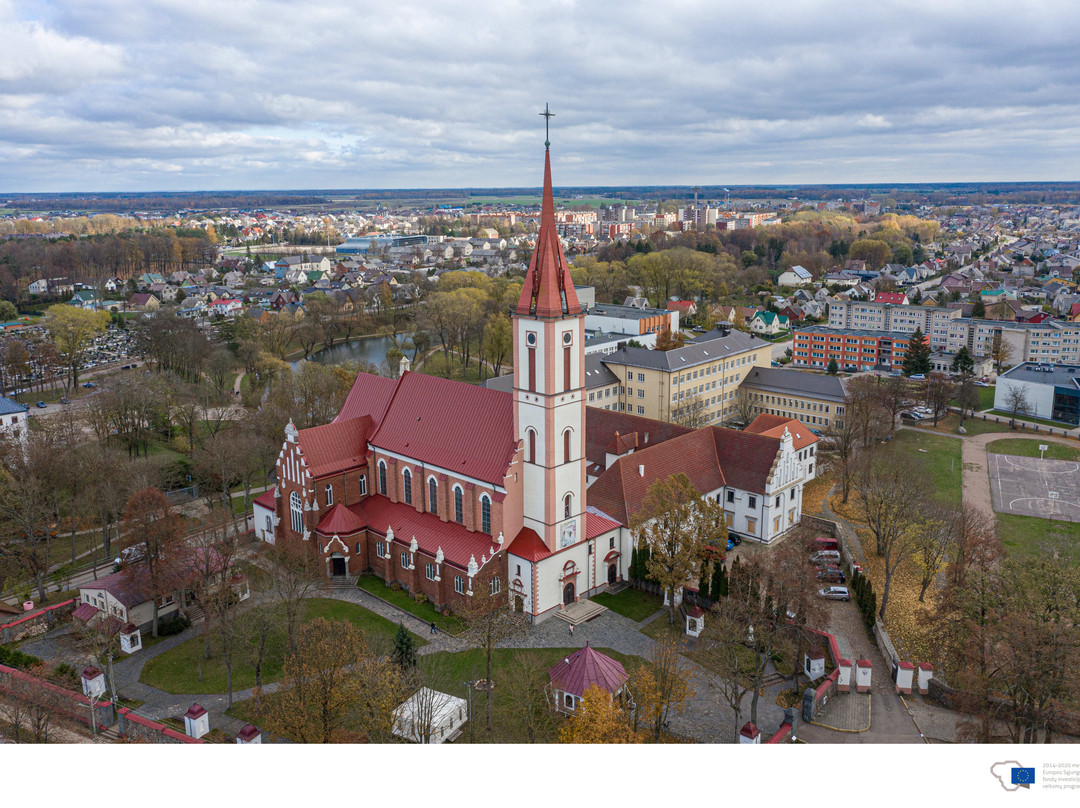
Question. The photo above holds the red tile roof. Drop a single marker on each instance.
(370, 395)
(266, 499)
(745, 458)
(619, 491)
(340, 521)
(548, 280)
(773, 426)
(336, 446)
(529, 546)
(896, 298)
(84, 612)
(597, 525)
(458, 544)
(587, 668)
(248, 732)
(601, 426)
(435, 421)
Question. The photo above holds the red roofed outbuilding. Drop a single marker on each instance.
(576, 673)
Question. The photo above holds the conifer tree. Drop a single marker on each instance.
(404, 653)
(917, 358)
(719, 588)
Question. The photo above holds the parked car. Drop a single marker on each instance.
(835, 593)
(825, 557)
(831, 574)
(730, 544)
(824, 543)
(88, 385)
(918, 377)
(980, 384)
(735, 538)
(895, 374)
(41, 405)
(133, 553)
(910, 416)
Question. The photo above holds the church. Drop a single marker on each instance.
(454, 490)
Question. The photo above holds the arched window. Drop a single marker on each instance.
(568, 505)
(296, 509)
(382, 478)
(566, 446)
(459, 511)
(406, 477)
(432, 495)
(530, 446)
(495, 587)
(363, 485)
(485, 513)
(329, 495)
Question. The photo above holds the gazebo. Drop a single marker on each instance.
(581, 670)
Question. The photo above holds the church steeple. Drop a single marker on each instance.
(549, 289)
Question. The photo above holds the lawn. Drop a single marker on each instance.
(1029, 420)
(436, 365)
(632, 603)
(972, 426)
(986, 397)
(1029, 447)
(1027, 535)
(183, 669)
(936, 459)
(403, 600)
(448, 672)
(814, 493)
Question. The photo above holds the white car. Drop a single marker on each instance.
(835, 593)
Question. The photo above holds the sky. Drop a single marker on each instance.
(159, 95)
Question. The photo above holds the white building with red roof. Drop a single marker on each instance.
(459, 491)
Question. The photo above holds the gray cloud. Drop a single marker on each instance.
(190, 94)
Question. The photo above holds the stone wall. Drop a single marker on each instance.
(136, 728)
(34, 623)
(62, 702)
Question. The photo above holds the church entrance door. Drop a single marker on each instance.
(568, 594)
(612, 573)
(337, 565)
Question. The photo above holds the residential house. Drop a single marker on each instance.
(143, 301)
(796, 276)
(767, 322)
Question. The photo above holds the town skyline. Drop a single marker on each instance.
(107, 97)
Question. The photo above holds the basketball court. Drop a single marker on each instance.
(1028, 486)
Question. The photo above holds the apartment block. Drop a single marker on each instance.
(1053, 342)
(934, 321)
(852, 348)
(815, 399)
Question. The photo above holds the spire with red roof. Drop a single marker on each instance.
(549, 289)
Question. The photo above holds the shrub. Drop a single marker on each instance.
(420, 597)
(172, 625)
(14, 658)
(395, 587)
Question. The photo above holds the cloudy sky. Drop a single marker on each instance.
(257, 94)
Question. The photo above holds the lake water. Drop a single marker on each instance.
(362, 349)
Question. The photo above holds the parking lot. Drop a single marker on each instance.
(1029, 486)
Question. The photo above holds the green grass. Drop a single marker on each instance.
(939, 465)
(448, 672)
(973, 426)
(1029, 447)
(184, 669)
(436, 365)
(632, 603)
(403, 600)
(1028, 535)
(1029, 420)
(986, 397)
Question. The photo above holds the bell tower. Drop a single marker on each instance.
(549, 386)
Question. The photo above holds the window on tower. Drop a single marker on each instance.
(530, 446)
(566, 368)
(568, 505)
(566, 446)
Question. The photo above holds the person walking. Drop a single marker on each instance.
(571, 629)
(434, 628)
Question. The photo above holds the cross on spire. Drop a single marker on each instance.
(547, 115)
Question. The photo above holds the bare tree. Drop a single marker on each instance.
(893, 500)
(491, 623)
(939, 395)
(745, 406)
(724, 651)
(294, 577)
(1016, 402)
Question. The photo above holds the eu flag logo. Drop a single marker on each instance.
(1023, 777)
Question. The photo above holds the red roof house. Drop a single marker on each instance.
(583, 669)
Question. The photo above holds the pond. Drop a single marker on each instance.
(371, 348)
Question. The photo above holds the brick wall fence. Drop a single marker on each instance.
(34, 623)
(826, 527)
(136, 728)
(61, 701)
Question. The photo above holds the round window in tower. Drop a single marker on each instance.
(567, 338)
(530, 338)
